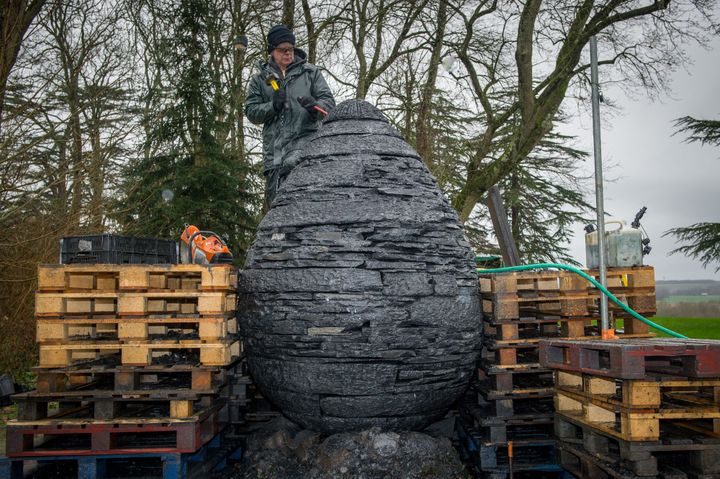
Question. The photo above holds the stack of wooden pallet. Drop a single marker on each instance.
(637, 408)
(136, 361)
(514, 403)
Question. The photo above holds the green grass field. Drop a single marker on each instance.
(710, 298)
(699, 328)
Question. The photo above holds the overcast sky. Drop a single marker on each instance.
(678, 182)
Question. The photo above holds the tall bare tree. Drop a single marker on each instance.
(288, 13)
(367, 26)
(15, 19)
(547, 42)
(424, 135)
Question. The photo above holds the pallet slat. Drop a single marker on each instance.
(633, 358)
(492, 459)
(538, 403)
(130, 378)
(84, 304)
(666, 392)
(632, 425)
(507, 333)
(643, 458)
(110, 404)
(139, 353)
(109, 277)
(633, 409)
(67, 330)
(514, 295)
(211, 458)
(70, 437)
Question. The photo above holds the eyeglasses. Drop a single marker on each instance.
(284, 51)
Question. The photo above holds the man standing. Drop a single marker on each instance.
(291, 113)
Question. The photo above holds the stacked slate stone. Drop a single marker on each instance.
(359, 302)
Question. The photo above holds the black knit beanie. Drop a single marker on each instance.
(277, 35)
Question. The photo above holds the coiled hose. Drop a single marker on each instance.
(592, 280)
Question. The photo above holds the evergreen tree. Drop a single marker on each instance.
(189, 173)
(703, 242)
(545, 199)
(702, 239)
(704, 131)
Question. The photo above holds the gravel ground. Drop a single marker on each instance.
(282, 449)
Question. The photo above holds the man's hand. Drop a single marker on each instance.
(279, 99)
(309, 103)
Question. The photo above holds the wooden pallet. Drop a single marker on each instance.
(524, 350)
(634, 425)
(508, 307)
(511, 306)
(64, 330)
(535, 327)
(499, 430)
(516, 403)
(504, 381)
(526, 393)
(111, 304)
(534, 343)
(140, 353)
(547, 281)
(514, 295)
(117, 377)
(210, 459)
(131, 277)
(584, 465)
(635, 414)
(89, 436)
(529, 455)
(506, 295)
(531, 330)
(549, 471)
(667, 392)
(100, 404)
(633, 358)
(512, 355)
(677, 447)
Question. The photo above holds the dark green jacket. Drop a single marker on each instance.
(287, 131)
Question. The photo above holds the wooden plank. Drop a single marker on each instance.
(509, 295)
(689, 452)
(137, 353)
(634, 358)
(181, 408)
(667, 392)
(61, 330)
(136, 380)
(26, 438)
(568, 380)
(635, 425)
(138, 304)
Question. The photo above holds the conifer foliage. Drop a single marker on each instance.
(189, 174)
(700, 241)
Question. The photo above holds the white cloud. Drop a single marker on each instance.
(678, 182)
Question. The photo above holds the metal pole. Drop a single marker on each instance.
(599, 200)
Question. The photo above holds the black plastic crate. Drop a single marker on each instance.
(115, 249)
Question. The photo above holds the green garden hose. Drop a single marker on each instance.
(595, 283)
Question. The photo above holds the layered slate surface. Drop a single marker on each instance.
(359, 301)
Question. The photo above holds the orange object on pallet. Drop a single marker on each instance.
(202, 247)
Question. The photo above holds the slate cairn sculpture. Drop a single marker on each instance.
(359, 302)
